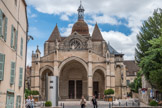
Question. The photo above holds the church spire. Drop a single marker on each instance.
(81, 12)
(55, 35)
(97, 36)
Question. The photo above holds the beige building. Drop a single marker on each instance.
(86, 65)
(131, 72)
(13, 33)
(27, 77)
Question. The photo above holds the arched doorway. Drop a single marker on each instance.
(73, 80)
(98, 83)
(44, 83)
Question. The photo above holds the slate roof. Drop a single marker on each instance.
(112, 50)
(131, 67)
(96, 35)
(55, 35)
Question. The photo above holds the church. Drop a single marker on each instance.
(85, 64)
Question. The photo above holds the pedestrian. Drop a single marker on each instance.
(32, 101)
(28, 102)
(83, 102)
(94, 102)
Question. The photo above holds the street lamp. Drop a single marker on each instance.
(29, 38)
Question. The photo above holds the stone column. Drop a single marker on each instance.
(90, 76)
(56, 73)
(112, 73)
(108, 80)
(46, 89)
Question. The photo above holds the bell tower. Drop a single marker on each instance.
(81, 12)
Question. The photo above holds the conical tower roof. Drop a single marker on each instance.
(55, 35)
(96, 35)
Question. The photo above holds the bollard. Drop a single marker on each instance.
(112, 103)
(126, 103)
(132, 103)
(119, 103)
(138, 103)
(63, 105)
(109, 105)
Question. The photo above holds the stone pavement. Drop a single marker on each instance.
(76, 104)
(101, 104)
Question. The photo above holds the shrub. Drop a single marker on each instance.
(34, 92)
(109, 92)
(29, 92)
(48, 104)
(153, 103)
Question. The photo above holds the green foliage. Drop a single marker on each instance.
(34, 92)
(153, 103)
(109, 92)
(137, 83)
(48, 104)
(149, 30)
(149, 49)
(152, 63)
(28, 93)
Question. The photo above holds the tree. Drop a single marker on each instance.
(136, 84)
(149, 30)
(151, 64)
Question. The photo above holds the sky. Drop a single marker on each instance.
(119, 21)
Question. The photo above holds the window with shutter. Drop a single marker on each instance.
(14, 37)
(18, 102)
(3, 26)
(10, 100)
(20, 77)
(15, 44)
(1, 22)
(21, 47)
(2, 62)
(12, 76)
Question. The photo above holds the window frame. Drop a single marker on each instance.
(12, 73)
(3, 26)
(3, 66)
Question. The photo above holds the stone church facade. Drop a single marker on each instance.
(85, 65)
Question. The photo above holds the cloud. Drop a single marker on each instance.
(104, 12)
(64, 17)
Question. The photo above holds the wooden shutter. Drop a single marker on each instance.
(1, 22)
(2, 61)
(21, 47)
(16, 40)
(18, 102)
(5, 34)
(12, 76)
(12, 34)
(20, 77)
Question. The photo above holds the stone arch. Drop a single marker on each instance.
(44, 73)
(45, 68)
(73, 80)
(70, 59)
(99, 81)
(99, 68)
